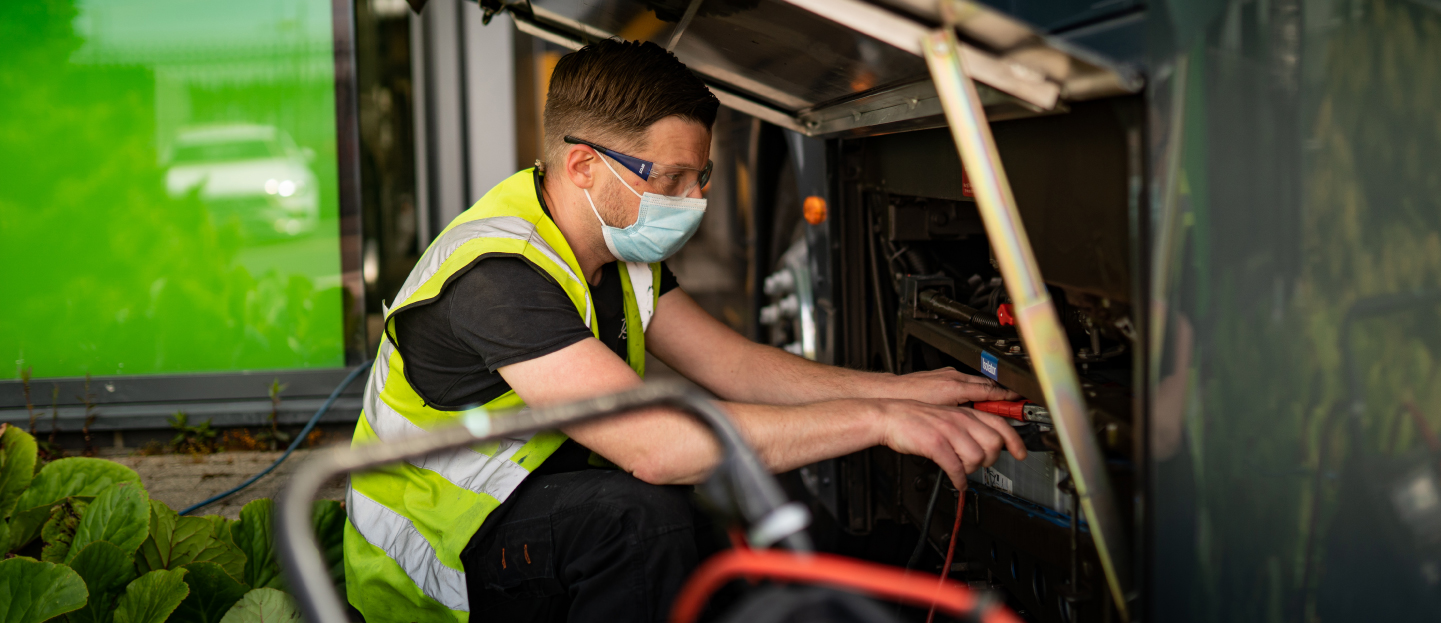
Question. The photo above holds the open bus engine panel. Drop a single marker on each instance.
(900, 277)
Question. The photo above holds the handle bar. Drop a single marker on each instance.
(740, 477)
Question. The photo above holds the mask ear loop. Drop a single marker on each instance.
(622, 183)
(617, 176)
(592, 208)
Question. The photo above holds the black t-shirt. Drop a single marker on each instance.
(503, 310)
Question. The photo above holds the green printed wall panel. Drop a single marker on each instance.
(168, 189)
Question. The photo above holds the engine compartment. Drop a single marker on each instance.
(909, 284)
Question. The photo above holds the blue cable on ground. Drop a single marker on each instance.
(314, 419)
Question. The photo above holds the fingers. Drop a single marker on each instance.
(945, 456)
(973, 454)
(1014, 444)
(987, 439)
(960, 440)
(975, 388)
(989, 391)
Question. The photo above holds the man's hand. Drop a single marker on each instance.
(959, 439)
(947, 387)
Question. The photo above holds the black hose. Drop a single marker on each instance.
(314, 419)
(964, 314)
(926, 522)
(880, 300)
(916, 262)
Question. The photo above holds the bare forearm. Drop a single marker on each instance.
(667, 447)
(767, 375)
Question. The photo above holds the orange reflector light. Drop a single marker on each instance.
(815, 210)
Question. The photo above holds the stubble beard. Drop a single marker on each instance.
(610, 202)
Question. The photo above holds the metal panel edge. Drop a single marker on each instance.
(728, 98)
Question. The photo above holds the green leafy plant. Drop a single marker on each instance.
(253, 535)
(38, 591)
(273, 437)
(88, 399)
(212, 593)
(152, 597)
(113, 555)
(107, 570)
(194, 439)
(264, 605)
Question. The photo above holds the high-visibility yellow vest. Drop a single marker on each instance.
(409, 522)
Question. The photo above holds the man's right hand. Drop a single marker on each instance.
(959, 439)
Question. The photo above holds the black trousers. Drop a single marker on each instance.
(588, 545)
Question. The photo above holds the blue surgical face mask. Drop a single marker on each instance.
(662, 227)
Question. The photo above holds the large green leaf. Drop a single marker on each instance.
(329, 524)
(212, 593)
(223, 527)
(59, 530)
(264, 605)
(253, 535)
(224, 553)
(17, 467)
(158, 548)
(107, 570)
(120, 514)
(177, 541)
(152, 597)
(32, 591)
(72, 477)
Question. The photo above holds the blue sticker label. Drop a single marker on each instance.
(989, 364)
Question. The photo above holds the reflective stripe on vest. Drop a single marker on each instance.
(409, 522)
(511, 227)
(398, 538)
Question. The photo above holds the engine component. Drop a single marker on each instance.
(931, 219)
(941, 305)
(780, 283)
(791, 315)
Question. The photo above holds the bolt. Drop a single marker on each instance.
(1015, 349)
(1000, 343)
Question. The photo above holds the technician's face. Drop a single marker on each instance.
(669, 142)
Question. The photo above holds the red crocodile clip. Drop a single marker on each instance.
(1014, 409)
(1022, 410)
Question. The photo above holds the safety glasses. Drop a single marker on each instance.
(667, 179)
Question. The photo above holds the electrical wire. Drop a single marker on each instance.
(926, 522)
(314, 419)
(950, 549)
(830, 570)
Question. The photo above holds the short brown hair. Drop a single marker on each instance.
(610, 92)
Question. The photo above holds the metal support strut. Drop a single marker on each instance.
(1036, 317)
(740, 485)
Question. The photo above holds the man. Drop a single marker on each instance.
(551, 289)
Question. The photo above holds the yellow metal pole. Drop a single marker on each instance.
(1040, 327)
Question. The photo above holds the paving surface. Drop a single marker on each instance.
(181, 480)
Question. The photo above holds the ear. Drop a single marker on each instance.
(580, 161)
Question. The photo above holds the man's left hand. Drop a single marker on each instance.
(947, 386)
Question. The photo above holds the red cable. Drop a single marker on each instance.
(950, 549)
(917, 589)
